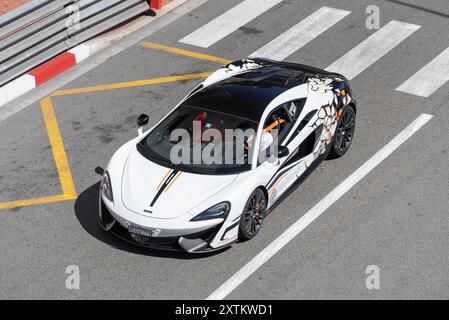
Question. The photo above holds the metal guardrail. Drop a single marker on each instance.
(45, 29)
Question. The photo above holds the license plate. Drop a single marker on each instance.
(140, 231)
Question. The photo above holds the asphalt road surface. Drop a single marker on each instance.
(395, 218)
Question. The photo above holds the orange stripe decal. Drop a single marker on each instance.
(339, 113)
(165, 177)
(277, 182)
(273, 125)
(173, 181)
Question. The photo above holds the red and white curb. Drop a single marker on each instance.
(43, 73)
(68, 59)
(157, 4)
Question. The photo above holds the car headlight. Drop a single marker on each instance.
(220, 210)
(106, 187)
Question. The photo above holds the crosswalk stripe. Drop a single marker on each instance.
(228, 22)
(430, 78)
(373, 48)
(301, 34)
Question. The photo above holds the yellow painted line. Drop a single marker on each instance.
(54, 134)
(57, 146)
(35, 201)
(187, 53)
(129, 84)
(60, 157)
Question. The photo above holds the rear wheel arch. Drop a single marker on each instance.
(353, 106)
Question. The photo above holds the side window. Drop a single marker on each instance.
(280, 120)
(292, 109)
(295, 107)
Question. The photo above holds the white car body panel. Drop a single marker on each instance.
(136, 181)
(140, 187)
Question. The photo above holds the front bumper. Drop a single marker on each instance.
(197, 242)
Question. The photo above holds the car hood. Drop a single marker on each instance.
(156, 191)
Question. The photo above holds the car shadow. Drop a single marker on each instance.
(86, 211)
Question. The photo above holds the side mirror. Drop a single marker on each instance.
(283, 152)
(142, 120)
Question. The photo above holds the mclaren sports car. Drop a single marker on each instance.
(208, 174)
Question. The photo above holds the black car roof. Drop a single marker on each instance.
(246, 99)
(248, 94)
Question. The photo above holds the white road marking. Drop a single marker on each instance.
(430, 78)
(288, 235)
(298, 36)
(373, 48)
(228, 22)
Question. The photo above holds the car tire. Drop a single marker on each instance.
(344, 133)
(253, 215)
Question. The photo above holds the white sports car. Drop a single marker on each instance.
(179, 186)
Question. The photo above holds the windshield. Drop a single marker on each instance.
(201, 141)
